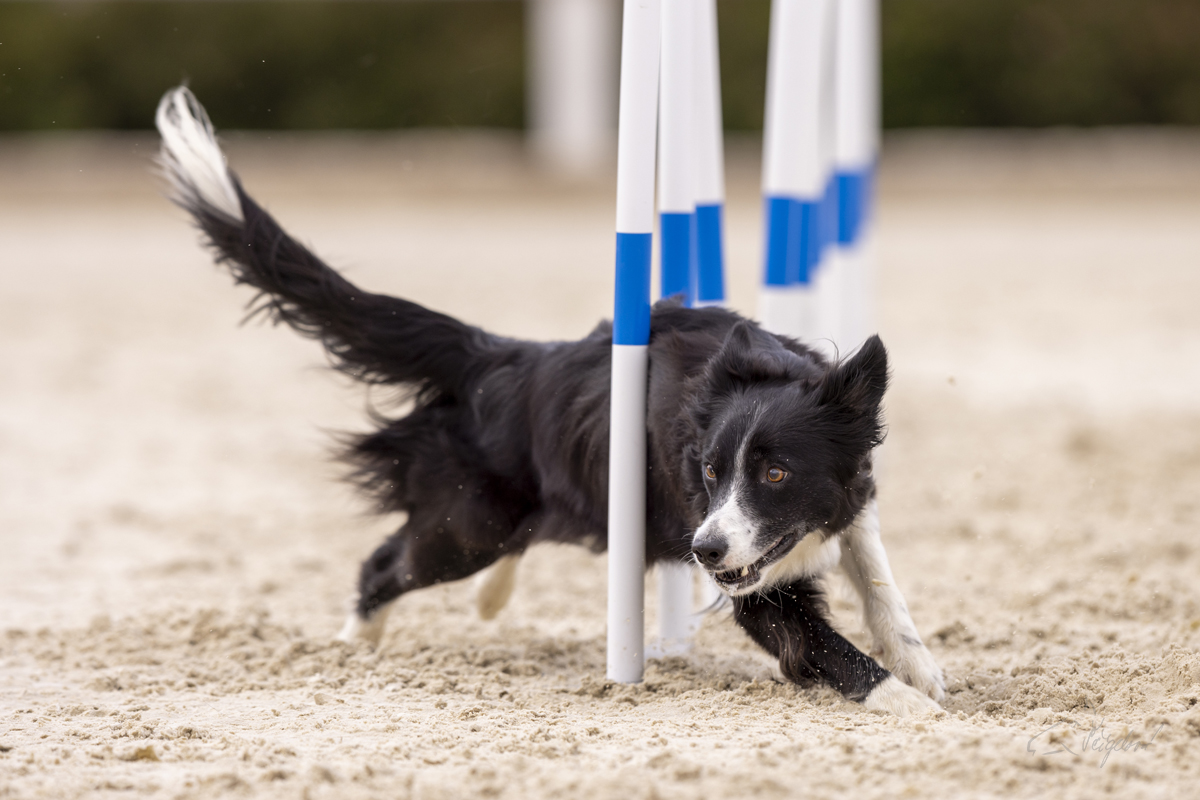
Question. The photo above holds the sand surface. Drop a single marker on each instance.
(176, 552)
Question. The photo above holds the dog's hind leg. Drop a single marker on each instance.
(897, 644)
(369, 630)
(790, 623)
(433, 547)
(495, 585)
(462, 517)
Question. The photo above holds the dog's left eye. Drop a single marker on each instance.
(775, 474)
(709, 472)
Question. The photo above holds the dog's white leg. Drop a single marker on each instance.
(370, 630)
(898, 698)
(495, 585)
(897, 644)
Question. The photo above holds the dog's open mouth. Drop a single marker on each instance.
(736, 579)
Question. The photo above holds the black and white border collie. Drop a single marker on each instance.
(759, 462)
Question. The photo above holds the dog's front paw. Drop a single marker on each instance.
(912, 663)
(896, 697)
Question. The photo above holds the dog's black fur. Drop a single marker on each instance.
(507, 444)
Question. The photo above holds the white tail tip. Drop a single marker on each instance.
(191, 156)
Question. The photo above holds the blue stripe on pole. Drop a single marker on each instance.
(631, 310)
(808, 243)
(795, 239)
(711, 255)
(779, 220)
(854, 203)
(867, 206)
(830, 218)
(850, 190)
(677, 254)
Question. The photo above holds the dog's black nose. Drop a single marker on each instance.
(710, 552)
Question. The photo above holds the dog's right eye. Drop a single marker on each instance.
(709, 472)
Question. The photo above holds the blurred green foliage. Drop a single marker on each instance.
(356, 64)
(263, 64)
(1041, 62)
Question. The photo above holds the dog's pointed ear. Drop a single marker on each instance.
(858, 383)
(751, 355)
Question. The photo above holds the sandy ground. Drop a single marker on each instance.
(176, 552)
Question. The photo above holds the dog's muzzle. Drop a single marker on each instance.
(710, 553)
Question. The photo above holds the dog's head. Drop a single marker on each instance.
(781, 450)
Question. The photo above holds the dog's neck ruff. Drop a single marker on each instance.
(813, 556)
(191, 157)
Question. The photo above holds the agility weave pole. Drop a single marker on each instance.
(678, 252)
(856, 152)
(676, 176)
(820, 144)
(709, 143)
(691, 196)
(710, 193)
(636, 130)
(797, 162)
(678, 37)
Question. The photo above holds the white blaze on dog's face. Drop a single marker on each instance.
(768, 505)
(785, 461)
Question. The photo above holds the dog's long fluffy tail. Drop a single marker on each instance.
(376, 338)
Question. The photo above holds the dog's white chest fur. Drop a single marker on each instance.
(812, 556)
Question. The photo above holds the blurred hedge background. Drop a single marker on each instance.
(355, 64)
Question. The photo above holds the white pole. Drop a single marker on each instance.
(710, 194)
(855, 158)
(571, 60)
(677, 163)
(675, 613)
(709, 141)
(677, 185)
(824, 329)
(796, 162)
(636, 131)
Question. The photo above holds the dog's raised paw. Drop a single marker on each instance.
(896, 697)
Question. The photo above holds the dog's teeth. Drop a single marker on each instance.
(745, 571)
